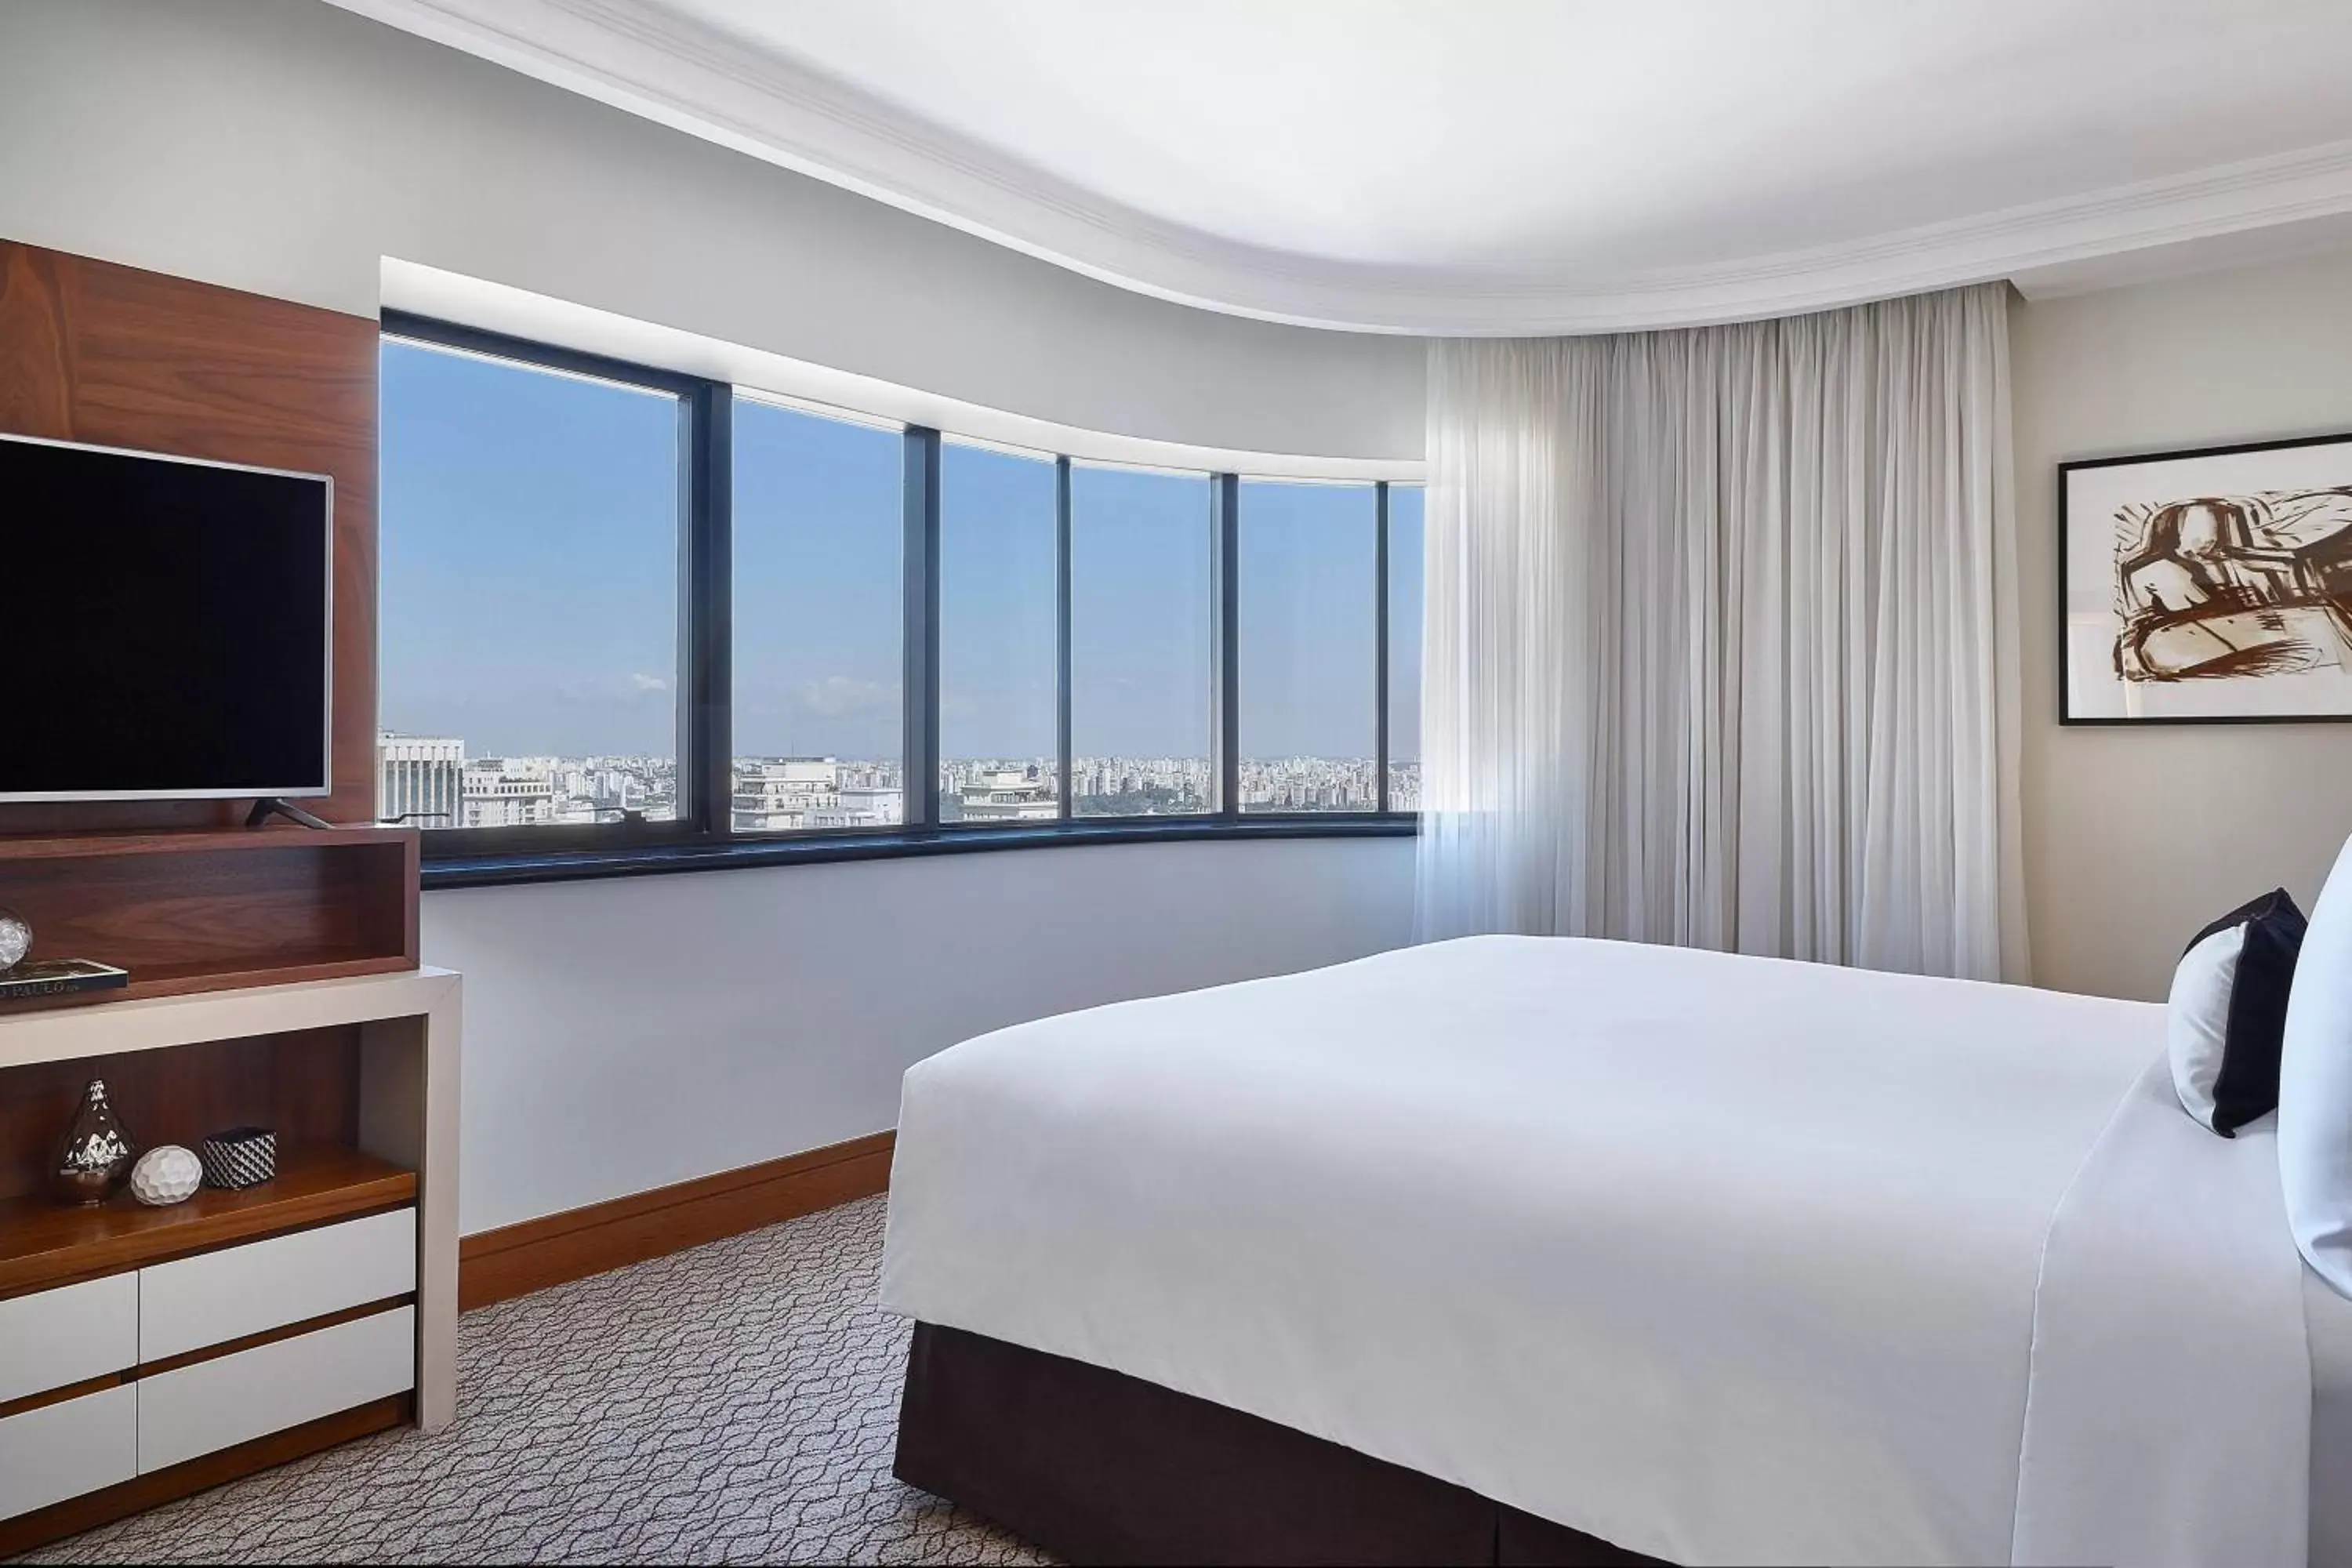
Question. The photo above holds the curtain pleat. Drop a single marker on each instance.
(1710, 653)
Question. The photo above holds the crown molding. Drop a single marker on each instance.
(669, 70)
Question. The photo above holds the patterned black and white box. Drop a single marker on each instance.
(240, 1157)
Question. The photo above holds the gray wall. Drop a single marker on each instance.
(285, 146)
(627, 1033)
(2135, 838)
(623, 1035)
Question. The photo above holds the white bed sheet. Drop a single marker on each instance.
(2329, 1320)
(2168, 1408)
(1723, 1259)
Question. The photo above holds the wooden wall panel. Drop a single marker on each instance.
(94, 352)
(200, 910)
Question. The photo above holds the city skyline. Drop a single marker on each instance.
(435, 782)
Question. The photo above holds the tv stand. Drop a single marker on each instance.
(270, 806)
(147, 1353)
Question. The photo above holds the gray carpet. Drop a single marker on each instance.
(734, 1403)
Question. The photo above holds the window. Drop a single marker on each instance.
(1404, 556)
(1141, 678)
(999, 636)
(636, 620)
(1309, 671)
(528, 591)
(819, 534)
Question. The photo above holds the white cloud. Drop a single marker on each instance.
(837, 695)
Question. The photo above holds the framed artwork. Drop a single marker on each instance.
(2207, 587)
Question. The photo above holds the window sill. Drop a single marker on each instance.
(568, 865)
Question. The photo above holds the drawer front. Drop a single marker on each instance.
(69, 1334)
(65, 1449)
(239, 1291)
(233, 1399)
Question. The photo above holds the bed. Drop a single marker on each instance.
(1544, 1250)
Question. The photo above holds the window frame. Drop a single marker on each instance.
(938, 442)
(703, 836)
(1380, 693)
(914, 596)
(701, 672)
(1221, 698)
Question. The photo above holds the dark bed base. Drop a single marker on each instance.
(1100, 1467)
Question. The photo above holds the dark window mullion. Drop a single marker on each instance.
(705, 781)
(1062, 637)
(919, 682)
(1380, 646)
(1225, 534)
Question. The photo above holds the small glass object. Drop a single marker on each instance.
(95, 1154)
(16, 939)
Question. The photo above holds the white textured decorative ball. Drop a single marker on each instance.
(16, 939)
(166, 1174)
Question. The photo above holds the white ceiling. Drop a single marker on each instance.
(1508, 165)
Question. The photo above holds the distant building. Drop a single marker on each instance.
(494, 797)
(866, 805)
(419, 779)
(1007, 794)
(788, 795)
(781, 794)
(1404, 786)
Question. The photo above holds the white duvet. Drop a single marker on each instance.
(1723, 1259)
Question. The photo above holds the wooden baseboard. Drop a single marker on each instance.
(519, 1258)
(90, 1509)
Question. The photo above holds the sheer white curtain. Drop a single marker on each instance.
(1710, 652)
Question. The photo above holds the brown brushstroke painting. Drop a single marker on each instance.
(2234, 586)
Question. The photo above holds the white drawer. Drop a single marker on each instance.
(216, 1297)
(69, 1334)
(231, 1399)
(65, 1449)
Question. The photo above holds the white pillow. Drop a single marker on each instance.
(2197, 1019)
(2227, 1016)
(2315, 1122)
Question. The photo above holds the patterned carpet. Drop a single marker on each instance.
(734, 1403)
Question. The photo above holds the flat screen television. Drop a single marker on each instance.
(166, 626)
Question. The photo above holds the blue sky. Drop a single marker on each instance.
(1308, 661)
(529, 584)
(528, 572)
(1139, 609)
(817, 585)
(996, 603)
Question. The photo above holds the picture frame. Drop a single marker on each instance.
(2207, 585)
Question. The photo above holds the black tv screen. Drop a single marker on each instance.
(164, 626)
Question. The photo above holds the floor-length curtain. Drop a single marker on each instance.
(1710, 650)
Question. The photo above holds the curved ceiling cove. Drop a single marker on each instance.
(1509, 166)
